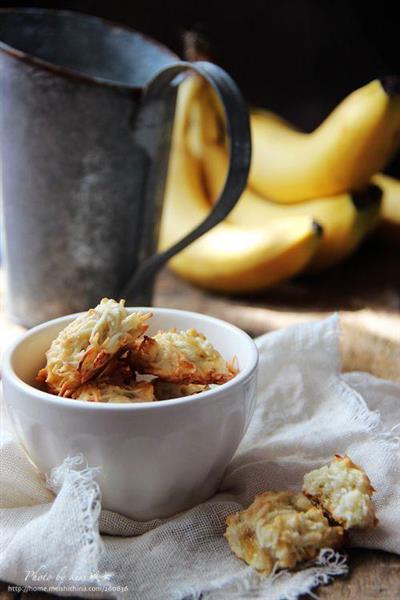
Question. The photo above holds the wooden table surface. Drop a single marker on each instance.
(366, 292)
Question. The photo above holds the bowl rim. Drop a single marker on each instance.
(9, 374)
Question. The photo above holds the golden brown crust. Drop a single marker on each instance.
(280, 529)
(118, 369)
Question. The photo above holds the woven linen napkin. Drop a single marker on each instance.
(55, 537)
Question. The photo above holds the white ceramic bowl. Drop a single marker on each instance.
(156, 458)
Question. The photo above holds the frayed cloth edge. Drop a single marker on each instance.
(251, 584)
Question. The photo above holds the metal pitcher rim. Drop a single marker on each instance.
(73, 73)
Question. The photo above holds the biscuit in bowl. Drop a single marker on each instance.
(182, 357)
(136, 391)
(88, 344)
(164, 390)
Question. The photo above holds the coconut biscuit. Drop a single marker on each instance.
(182, 357)
(280, 529)
(85, 347)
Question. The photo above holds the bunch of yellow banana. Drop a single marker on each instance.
(296, 181)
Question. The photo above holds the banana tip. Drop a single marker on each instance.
(367, 198)
(391, 84)
(318, 229)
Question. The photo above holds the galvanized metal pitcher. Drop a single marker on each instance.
(86, 113)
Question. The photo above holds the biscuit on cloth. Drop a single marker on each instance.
(280, 529)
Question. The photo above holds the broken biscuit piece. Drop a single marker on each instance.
(137, 391)
(280, 529)
(84, 348)
(344, 491)
(182, 357)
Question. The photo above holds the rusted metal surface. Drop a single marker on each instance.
(73, 170)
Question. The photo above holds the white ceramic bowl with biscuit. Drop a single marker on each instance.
(156, 458)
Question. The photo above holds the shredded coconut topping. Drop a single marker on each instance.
(86, 345)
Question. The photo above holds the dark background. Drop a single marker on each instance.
(298, 58)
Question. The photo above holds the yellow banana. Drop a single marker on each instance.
(188, 110)
(229, 258)
(288, 166)
(390, 186)
(345, 218)
(201, 110)
(355, 141)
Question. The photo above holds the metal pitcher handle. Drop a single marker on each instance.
(239, 147)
